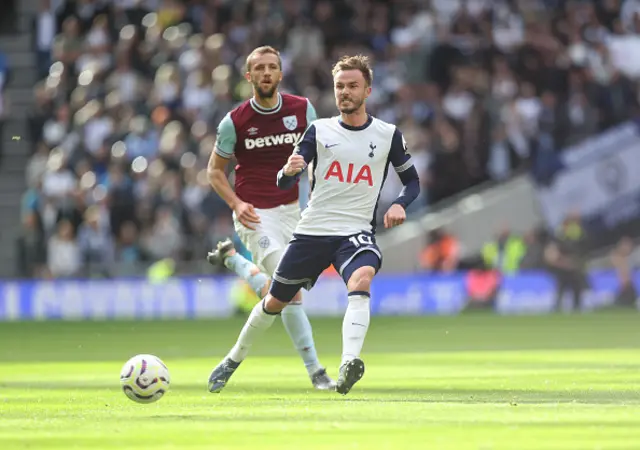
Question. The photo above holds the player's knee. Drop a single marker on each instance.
(270, 262)
(272, 305)
(264, 290)
(297, 299)
(361, 279)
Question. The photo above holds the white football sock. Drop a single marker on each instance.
(259, 320)
(296, 322)
(248, 271)
(355, 325)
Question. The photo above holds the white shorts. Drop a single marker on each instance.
(271, 235)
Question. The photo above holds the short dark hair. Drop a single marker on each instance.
(357, 62)
(262, 51)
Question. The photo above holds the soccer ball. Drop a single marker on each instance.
(144, 378)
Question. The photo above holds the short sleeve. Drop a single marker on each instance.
(399, 153)
(226, 137)
(312, 116)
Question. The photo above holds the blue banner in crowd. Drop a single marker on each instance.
(191, 298)
(600, 179)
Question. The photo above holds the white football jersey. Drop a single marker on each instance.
(349, 169)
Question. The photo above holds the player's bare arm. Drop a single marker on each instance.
(216, 172)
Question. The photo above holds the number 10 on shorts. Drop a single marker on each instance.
(361, 239)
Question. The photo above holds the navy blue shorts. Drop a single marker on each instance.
(306, 257)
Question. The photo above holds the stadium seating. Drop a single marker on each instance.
(120, 127)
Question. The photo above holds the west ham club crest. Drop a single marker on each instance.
(290, 122)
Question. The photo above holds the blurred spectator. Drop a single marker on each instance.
(566, 258)
(8, 16)
(59, 184)
(68, 46)
(32, 249)
(164, 239)
(95, 242)
(505, 254)
(64, 253)
(97, 127)
(442, 254)
(142, 140)
(133, 90)
(4, 79)
(121, 199)
(535, 242)
(37, 165)
(44, 33)
(502, 156)
(625, 261)
(581, 118)
(128, 251)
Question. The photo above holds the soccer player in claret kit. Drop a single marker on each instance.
(261, 134)
(350, 155)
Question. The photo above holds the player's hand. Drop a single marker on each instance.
(394, 216)
(247, 215)
(295, 164)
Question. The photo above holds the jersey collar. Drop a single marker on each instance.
(262, 110)
(360, 128)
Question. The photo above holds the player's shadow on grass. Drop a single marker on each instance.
(374, 394)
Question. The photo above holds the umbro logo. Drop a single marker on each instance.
(329, 145)
(252, 131)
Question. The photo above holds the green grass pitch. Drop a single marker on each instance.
(478, 382)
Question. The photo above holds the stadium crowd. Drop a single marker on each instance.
(132, 92)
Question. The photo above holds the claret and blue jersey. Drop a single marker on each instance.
(261, 141)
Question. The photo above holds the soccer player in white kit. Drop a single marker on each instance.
(350, 155)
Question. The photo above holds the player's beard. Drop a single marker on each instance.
(265, 94)
(356, 103)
